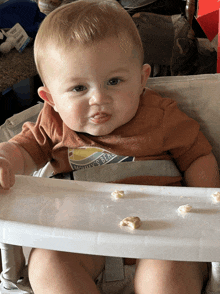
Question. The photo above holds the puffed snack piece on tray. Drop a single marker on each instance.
(133, 222)
(117, 194)
(183, 209)
(216, 197)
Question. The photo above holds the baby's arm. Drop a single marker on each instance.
(14, 160)
(203, 172)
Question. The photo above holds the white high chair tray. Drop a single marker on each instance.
(82, 217)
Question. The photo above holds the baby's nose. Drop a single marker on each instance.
(99, 96)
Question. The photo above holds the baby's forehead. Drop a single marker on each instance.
(56, 55)
(65, 47)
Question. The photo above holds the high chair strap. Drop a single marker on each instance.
(114, 269)
(118, 171)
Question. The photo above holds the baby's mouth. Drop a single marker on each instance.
(100, 118)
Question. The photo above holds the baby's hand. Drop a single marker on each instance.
(7, 175)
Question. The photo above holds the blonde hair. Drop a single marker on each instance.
(84, 22)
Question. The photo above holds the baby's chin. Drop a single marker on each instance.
(92, 131)
(98, 132)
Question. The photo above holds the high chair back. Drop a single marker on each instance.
(47, 214)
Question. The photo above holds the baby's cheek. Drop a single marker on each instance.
(67, 105)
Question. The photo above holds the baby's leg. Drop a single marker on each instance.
(54, 272)
(169, 277)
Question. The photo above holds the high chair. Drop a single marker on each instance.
(42, 213)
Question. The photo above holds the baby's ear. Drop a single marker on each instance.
(146, 70)
(44, 94)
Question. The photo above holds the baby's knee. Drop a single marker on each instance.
(41, 260)
(178, 277)
(171, 268)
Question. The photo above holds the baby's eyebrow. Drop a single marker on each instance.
(74, 79)
(114, 71)
(120, 69)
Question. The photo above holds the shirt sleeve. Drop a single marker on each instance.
(35, 137)
(182, 136)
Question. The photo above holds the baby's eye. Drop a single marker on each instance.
(114, 81)
(79, 88)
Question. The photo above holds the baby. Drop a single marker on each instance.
(98, 113)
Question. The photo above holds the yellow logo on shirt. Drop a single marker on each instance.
(82, 153)
(87, 157)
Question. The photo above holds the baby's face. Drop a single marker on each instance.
(96, 89)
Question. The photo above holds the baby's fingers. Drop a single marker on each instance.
(7, 180)
(7, 177)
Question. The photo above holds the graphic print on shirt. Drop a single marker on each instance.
(87, 157)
